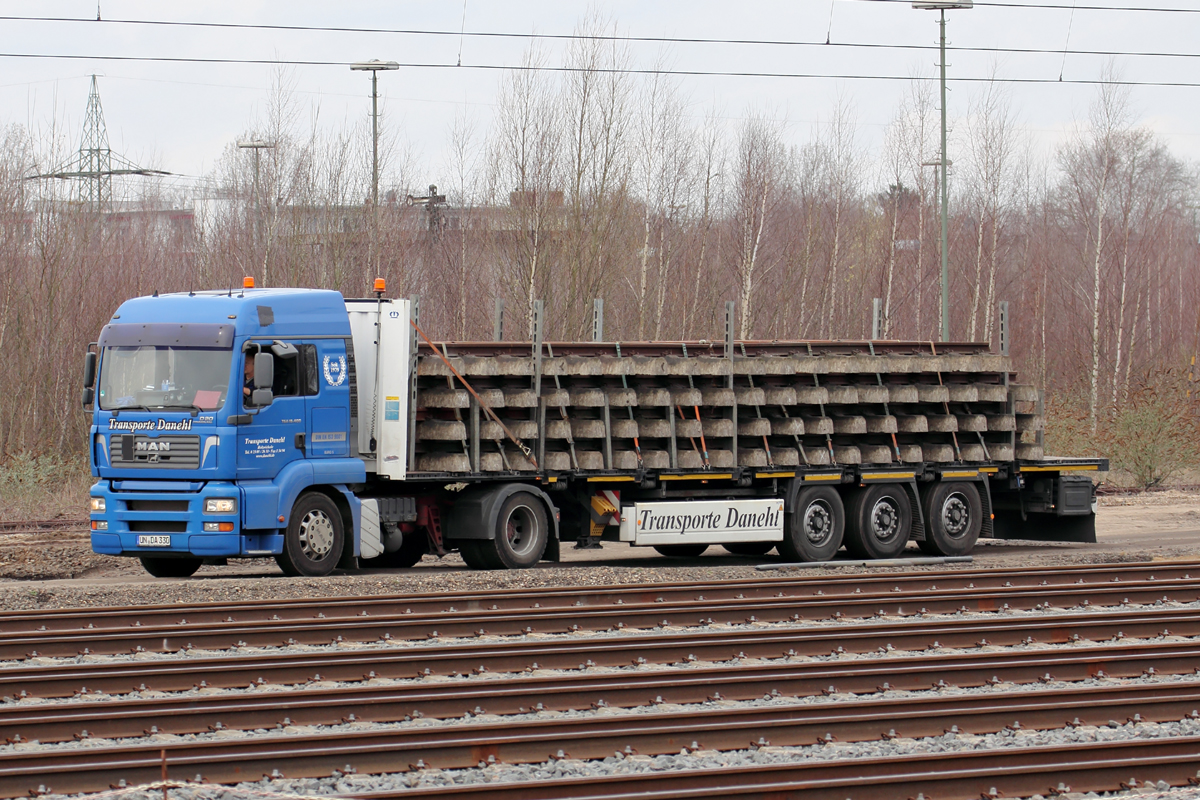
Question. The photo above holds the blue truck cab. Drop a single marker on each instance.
(214, 413)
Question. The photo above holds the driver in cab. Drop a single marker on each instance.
(248, 383)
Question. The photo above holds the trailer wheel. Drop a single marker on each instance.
(522, 531)
(879, 521)
(680, 550)
(954, 517)
(815, 529)
(749, 548)
(170, 567)
(312, 543)
(479, 554)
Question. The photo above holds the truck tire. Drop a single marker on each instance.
(680, 550)
(954, 517)
(312, 543)
(522, 531)
(170, 567)
(749, 548)
(479, 554)
(816, 527)
(879, 521)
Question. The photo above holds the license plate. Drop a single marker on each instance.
(154, 541)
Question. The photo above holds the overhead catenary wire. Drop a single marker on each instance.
(601, 37)
(607, 70)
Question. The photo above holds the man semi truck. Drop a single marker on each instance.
(326, 432)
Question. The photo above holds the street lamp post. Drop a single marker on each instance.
(257, 145)
(941, 6)
(374, 68)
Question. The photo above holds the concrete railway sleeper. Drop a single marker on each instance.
(572, 690)
(401, 626)
(459, 746)
(457, 658)
(796, 585)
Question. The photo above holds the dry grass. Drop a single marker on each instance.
(44, 487)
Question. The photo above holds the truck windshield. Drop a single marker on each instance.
(150, 376)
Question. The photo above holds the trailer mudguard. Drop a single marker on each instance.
(476, 511)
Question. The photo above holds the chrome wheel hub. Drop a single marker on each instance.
(818, 522)
(316, 535)
(956, 515)
(885, 519)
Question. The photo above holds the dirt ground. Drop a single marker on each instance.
(59, 569)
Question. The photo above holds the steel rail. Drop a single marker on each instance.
(502, 622)
(457, 746)
(27, 526)
(109, 719)
(1009, 772)
(458, 658)
(123, 617)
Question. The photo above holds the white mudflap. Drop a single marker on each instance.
(703, 522)
(370, 539)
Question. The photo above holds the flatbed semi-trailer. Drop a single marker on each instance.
(325, 433)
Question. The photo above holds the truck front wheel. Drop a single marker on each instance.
(879, 521)
(312, 543)
(954, 516)
(170, 567)
(815, 529)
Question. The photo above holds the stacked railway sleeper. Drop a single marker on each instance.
(594, 407)
(962, 683)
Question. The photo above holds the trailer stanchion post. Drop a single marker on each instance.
(876, 318)
(733, 409)
(498, 321)
(1004, 334)
(598, 320)
(539, 408)
(415, 318)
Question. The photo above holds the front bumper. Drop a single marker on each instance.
(174, 509)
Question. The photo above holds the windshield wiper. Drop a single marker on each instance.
(195, 409)
(117, 411)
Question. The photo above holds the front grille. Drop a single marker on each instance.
(157, 526)
(139, 450)
(157, 505)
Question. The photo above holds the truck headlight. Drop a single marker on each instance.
(220, 505)
(97, 505)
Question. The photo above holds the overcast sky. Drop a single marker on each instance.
(179, 117)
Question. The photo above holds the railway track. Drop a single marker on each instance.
(697, 605)
(584, 689)
(802, 587)
(690, 685)
(986, 773)
(462, 746)
(457, 658)
(9, 527)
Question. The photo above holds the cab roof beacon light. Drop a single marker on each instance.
(380, 286)
(248, 282)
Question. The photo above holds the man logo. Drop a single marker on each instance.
(149, 446)
(335, 370)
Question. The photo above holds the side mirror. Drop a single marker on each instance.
(261, 397)
(264, 372)
(89, 370)
(89, 379)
